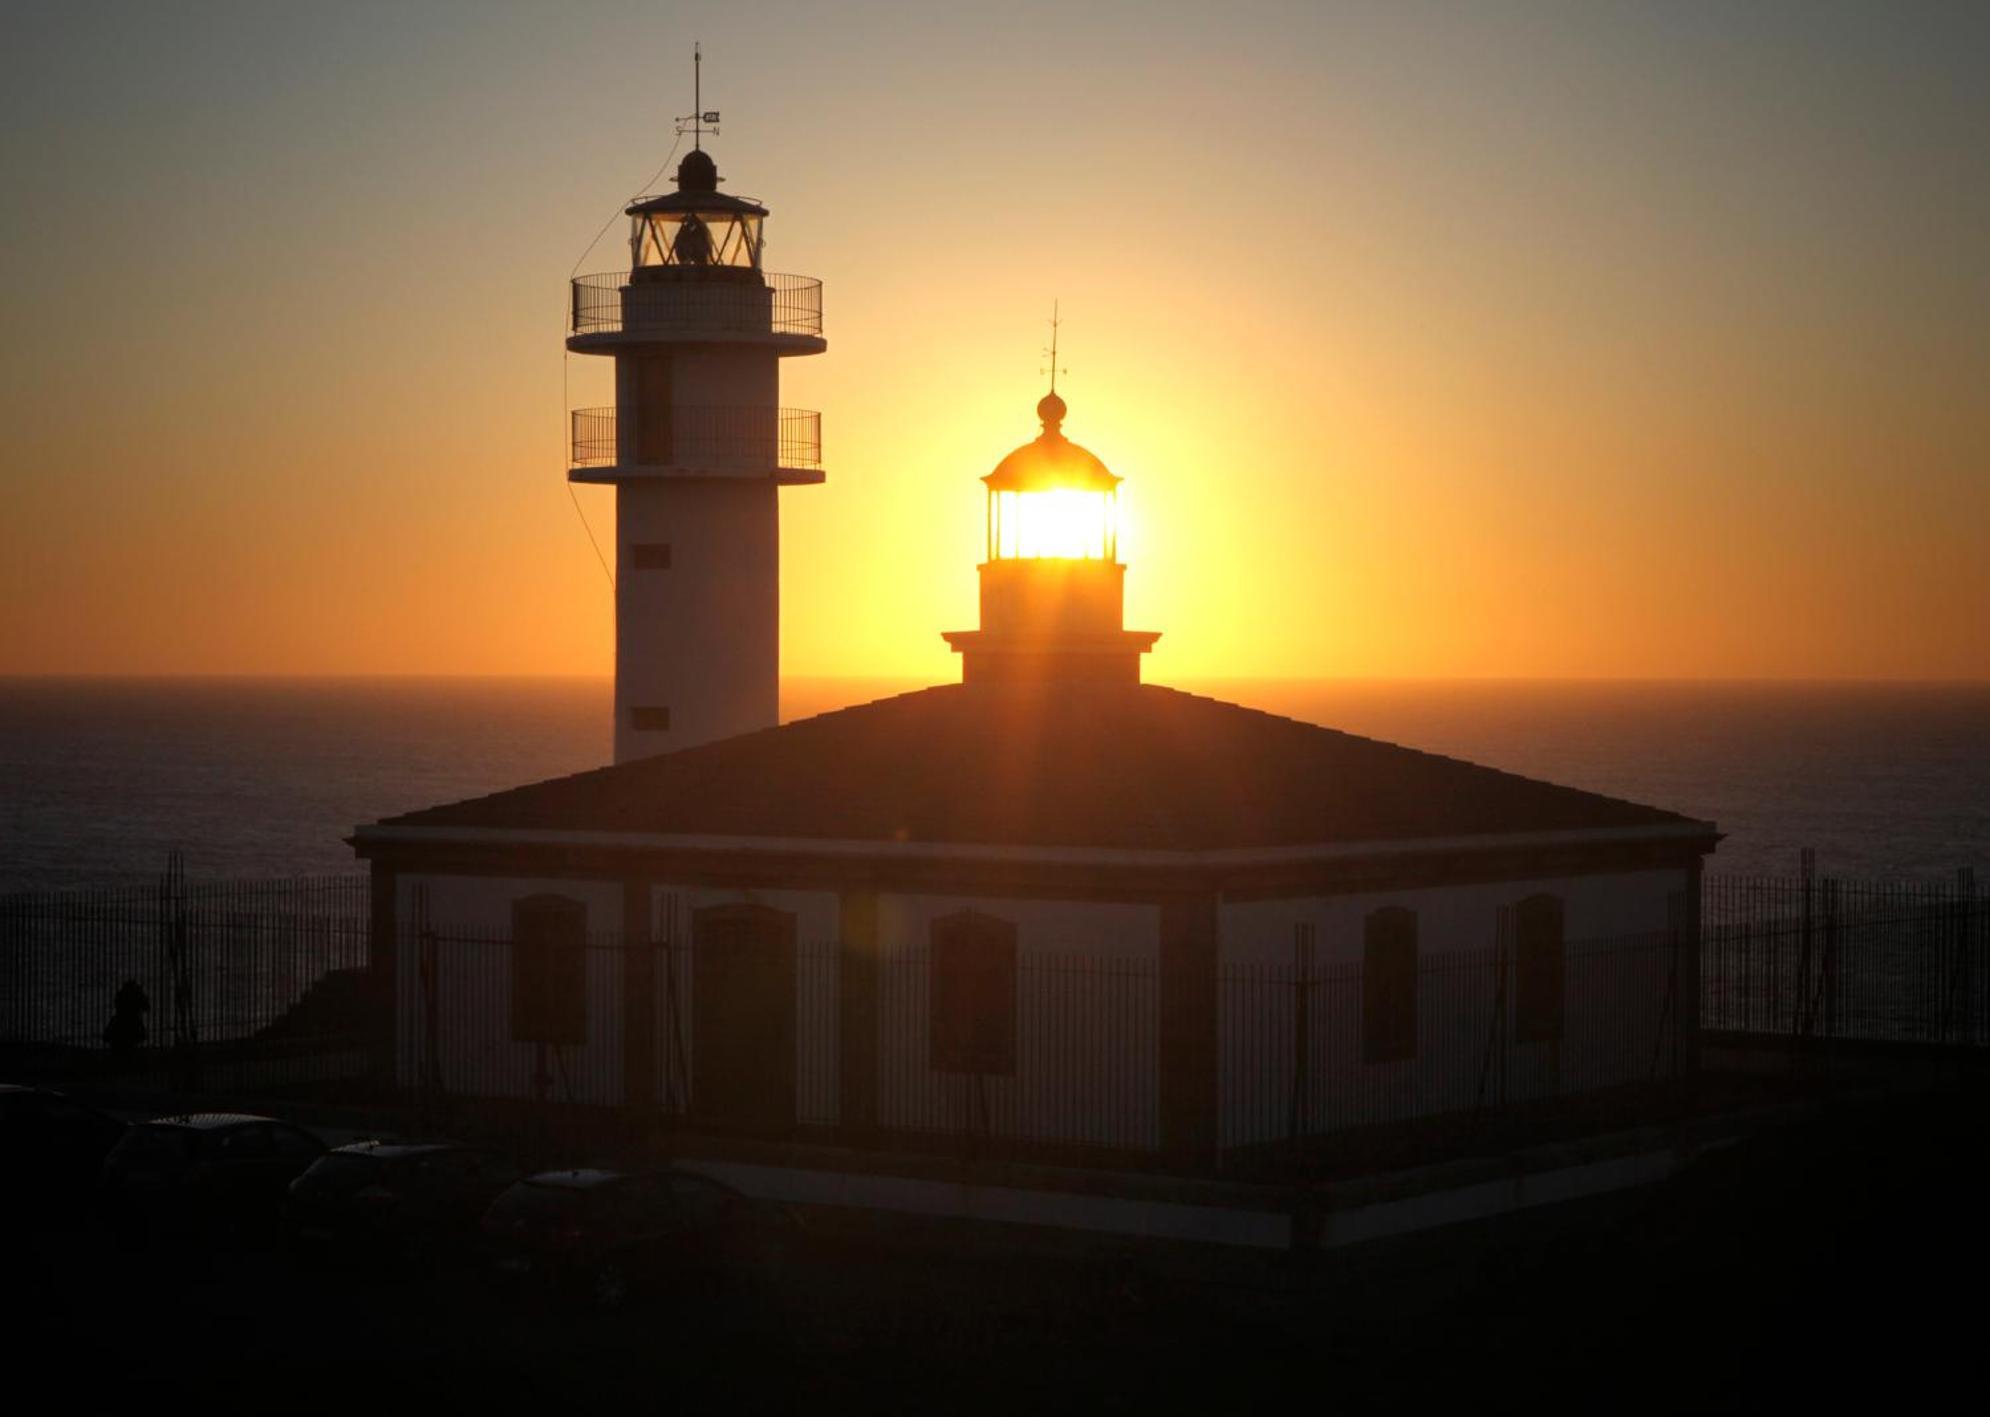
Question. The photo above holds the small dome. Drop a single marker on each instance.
(697, 172)
(1051, 462)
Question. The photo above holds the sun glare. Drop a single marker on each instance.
(1061, 523)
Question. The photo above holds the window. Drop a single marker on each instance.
(295, 1145)
(649, 718)
(548, 970)
(653, 409)
(1388, 985)
(246, 1144)
(973, 995)
(1537, 969)
(650, 555)
(700, 1202)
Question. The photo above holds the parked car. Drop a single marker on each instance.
(388, 1196)
(207, 1173)
(51, 1146)
(603, 1235)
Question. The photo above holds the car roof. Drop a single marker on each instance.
(389, 1149)
(578, 1178)
(582, 1178)
(208, 1121)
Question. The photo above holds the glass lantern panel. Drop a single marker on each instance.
(694, 239)
(1062, 524)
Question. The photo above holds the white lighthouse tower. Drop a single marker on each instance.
(697, 447)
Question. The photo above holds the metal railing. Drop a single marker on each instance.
(777, 304)
(1814, 957)
(232, 983)
(708, 437)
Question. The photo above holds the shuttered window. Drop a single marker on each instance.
(548, 970)
(973, 995)
(1389, 985)
(653, 409)
(1539, 961)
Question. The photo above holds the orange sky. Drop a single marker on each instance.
(1436, 341)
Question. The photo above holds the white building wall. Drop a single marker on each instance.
(1087, 1024)
(700, 638)
(1087, 1055)
(472, 1048)
(1615, 979)
(1449, 918)
(818, 943)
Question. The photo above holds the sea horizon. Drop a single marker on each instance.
(103, 776)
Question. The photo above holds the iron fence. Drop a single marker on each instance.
(706, 436)
(241, 985)
(1818, 957)
(1296, 1063)
(224, 981)
(1083, 1071)
(610, 303)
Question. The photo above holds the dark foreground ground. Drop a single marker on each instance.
(1841, 1260)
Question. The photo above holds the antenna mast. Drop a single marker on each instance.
(1054, 323)
(700, 121)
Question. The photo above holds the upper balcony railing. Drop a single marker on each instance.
(608, 304)
(721, 438)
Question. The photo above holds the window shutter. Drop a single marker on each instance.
(1538, 970)
(972, 998)
(1389, 985)
(548, 970)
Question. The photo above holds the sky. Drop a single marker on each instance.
(1542, 340)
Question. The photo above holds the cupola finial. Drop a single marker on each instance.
(700, 122)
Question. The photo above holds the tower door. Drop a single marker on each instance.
(743, 1016)
(653, 405)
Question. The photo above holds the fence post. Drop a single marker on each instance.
(1689, 963)
(1831, 958)
(1495, 1055)
(1302, 988)
(1188, 1032)
(857, 1014)
(428, 967)
(638, 1004)
(382, 972)
(1969, 967)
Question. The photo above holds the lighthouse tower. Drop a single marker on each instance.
(697, 447)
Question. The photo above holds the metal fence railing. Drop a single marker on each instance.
(1817, 957)
(610, 303)
(704, 436)
(227, 981)
(273, 984)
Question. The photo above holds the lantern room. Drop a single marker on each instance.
(1051, 499)
(1052, 586)
(696, 229)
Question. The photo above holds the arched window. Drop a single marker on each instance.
(548, 970)
(972, 1003)
(1388, 985)
(1538, 969)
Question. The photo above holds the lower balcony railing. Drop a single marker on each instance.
(748, 439)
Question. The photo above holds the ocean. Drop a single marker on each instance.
(101, 778)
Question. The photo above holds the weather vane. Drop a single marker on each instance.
(700, 122)
(1051, 353)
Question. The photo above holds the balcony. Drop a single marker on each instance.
(607, 312)
(782, 443)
